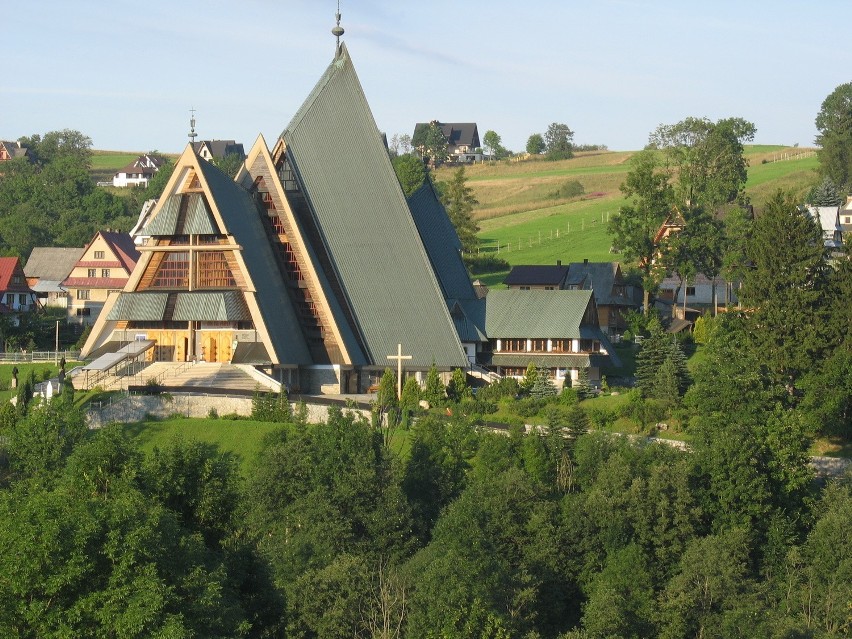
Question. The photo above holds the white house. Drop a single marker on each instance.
(137, 173)
(828, 218)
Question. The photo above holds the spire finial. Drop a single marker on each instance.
(338, 30)
(192, 133)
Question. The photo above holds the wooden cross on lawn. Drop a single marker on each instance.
(399, 357)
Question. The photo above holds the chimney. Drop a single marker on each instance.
(558, 262)
(585, 260)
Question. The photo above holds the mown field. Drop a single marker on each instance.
(522, 218)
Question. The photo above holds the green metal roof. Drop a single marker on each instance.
(198, 220)
(443, 247)
(536, 314)
(140, 307)
(218, 306)
(365, 226)
(241, 217)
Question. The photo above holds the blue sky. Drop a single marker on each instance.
(127, 73)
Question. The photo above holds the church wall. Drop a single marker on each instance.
(325, 380)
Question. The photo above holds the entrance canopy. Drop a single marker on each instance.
(109, 360)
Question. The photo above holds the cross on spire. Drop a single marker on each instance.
(192, 133)
(399, 357)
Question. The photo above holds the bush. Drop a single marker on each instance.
(485, 263)
(494, 392)
(529, 406)
(569, 189)
(601, 418)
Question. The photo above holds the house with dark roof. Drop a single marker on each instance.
(614, 297)
(285, 268)
(218, 149)
(463, 143)
(139, 172)
(556, 330)
(46, 269)
(16, 297)
(103, 268)
(527, 277)
(12, 151)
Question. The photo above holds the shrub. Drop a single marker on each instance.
(528, 406)
(504, 387)
(485, 263)
(601, 418)
(212, 413)
(569, 189)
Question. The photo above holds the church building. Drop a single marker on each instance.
(308, 265)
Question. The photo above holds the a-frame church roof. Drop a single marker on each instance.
(444, 249)
(364, 224)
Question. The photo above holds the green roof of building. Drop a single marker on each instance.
(242, 220)
(443, 247)
(535, 314)
(365, 226)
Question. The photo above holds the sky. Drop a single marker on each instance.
(127, 73)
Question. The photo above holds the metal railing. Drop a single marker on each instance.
(37, 356)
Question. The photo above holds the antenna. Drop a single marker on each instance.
(338, 30)
(192, 133)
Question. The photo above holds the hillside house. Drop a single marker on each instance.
(46, 269)
(614, 297)
(103, 268)
(15, 296)
(217, 149)
(12, 151)
(528, 277)
(828, 217)
(463, 145)
(137, 173)
(556, 330)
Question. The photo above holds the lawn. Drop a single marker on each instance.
(241, 438)
(111, 160)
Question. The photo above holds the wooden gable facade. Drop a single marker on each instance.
(192, 291)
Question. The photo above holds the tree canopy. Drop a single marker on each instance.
(457, 197)
(834, 123)
(558, 141)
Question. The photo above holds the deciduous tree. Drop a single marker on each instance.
(834, 123)
(558, 140)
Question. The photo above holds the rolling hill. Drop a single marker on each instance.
(523, 219)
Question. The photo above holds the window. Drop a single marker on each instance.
(213, 271)
(514, 345)
(22, 299)
(561, 345)
(84, 312)
(690, 290)
(83, 294)
(104, 272)
(10, 299)
(525, 288)
(92, 272)
(17, 279)
(173, 272)
(548, 288)
(539, 345)
(99, 255)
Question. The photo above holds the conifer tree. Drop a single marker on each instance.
(458, 388)
(581, 385)
(434, 392)
(529, 378)
(543, 386)
(459, 201)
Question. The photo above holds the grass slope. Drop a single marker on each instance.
(522, 219)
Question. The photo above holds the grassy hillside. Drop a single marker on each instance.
(522, 217)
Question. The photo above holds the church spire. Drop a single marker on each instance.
(338, 30)
(192, 133)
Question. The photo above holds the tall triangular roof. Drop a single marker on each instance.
(364, 225)
(444, 250)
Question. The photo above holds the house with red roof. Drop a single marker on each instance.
(104, 268)
(16, 297)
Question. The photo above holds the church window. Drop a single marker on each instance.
(173, 272)
(213, 271)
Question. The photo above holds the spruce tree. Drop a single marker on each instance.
(434, 390)
(543, 386)
(825, 194)
(581, 385)
(529, 379)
